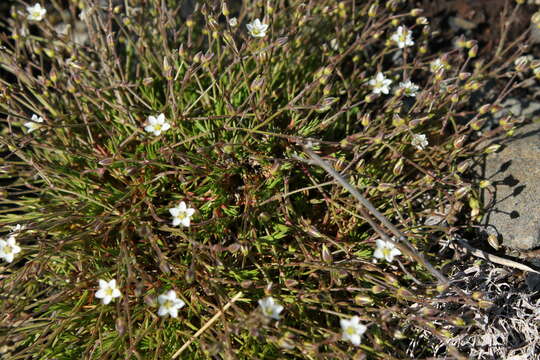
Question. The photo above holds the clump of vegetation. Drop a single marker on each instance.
(167, 151)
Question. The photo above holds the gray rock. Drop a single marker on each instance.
(515, 173)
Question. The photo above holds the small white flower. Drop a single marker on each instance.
(157, 124)
(257, 29)
(16, 229)
(181, 214)
(352, 330)
(36, 12)
(386, 250)
(409, 88)
(380, 84)
(170, 304)
(34, 124)
(233, 22)
(419, 141)
(270, 307)
(436, 65)
(334, 44)
(403, 37)
(107, 291)
(8, 248)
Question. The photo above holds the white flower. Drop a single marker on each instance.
(34, 124)
(403, 37)
(16, 229)
(386, 250)
(36, 12)
(352, 329)
(181, 214)
(419, 141)
(169, 304)
(380, 84)
(436, 65)
(257, 29)
(409, 88)
(334, 44)
(270, 307)
(107, 291)
(8, 248)
(157, 125)
(233, 22)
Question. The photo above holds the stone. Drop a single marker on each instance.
(514, 171)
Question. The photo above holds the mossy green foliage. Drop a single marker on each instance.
(93, 188)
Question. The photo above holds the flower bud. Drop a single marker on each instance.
(484, 183)
(372, 12)
(484, 109)
(326, 255)
(522, 63)
(398, 168)
(462, 192)
(535, 18)
(473, 51)
(362, 300)
(458, 143)
(225, 9)
(492, 148)
(422, 20)
(464, 75)
(416, 12)
(463, 166)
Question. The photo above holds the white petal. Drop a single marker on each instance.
(162, 298)
(157, 132)
(116, 293)
(174, 211)
(100, 294)
(162, 311)
(173, 312)
(161, 119)
(15, 249)
(149, 128)
(355, 339)
(11, 241)
(179, 303)
(176, 221)
(344, 323)
(8, 257)
(152, 120)
(166, 126)
(112, 283)
(171, 294)
(103, 284)
(106, 300)
(182, 206)
(186, 221)
(190, 212)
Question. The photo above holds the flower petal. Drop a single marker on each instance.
(186, 221)
(162, 311)
(103, 284)
(161, 119)
(176, 221)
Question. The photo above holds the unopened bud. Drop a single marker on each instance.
(458, 143)
(372, 12)
(365, 120)
(416, 12)
(462, 192)
(492, 148)
(535, 18)
(257, 83)
(484, 183)
(422, 20)
(398, 168)
(473, 51)
(362, 300)
(225, 9)
(463, 166)
(326, 255)
(522, 63)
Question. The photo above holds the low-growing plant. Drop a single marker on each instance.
(162, 146)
